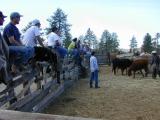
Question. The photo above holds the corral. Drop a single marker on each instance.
(119, 98)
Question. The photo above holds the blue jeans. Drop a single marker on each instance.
(62, 51)
(24, 54)
(94, 76)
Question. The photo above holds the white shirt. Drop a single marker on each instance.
(52, 38)
(93, 63)
(30, 35)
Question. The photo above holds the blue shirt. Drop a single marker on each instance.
(11, 30)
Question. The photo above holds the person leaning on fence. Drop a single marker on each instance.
(155, 64)
(54, 41)
(4, 57)
(94, 70)
(32, 35)
(12, 36)
(72, 46)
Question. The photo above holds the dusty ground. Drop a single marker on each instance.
(119, 98)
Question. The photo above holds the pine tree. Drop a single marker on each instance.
(90, 39)
(115, 41)
(59, 19)
(26, 28)
(109, 41)
(67, 41)
(147, 43)
(157, 38)
(81, 38)
(133, 43)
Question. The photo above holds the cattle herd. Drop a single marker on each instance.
(132, 65)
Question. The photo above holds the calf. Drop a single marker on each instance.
(122, 64)
(45, 54)
(138, 65)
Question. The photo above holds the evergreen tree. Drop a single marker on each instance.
(133, 43)
(68, 40)
(90, 39)
(115, 41)
(109, 41)
(59, 19)
(26, 28)
(147, 43)
(81, 38)
(157, 38)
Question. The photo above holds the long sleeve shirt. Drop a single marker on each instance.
(93, 64)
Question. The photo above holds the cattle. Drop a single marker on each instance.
(138, 65)
(120, 63)
(46, 54)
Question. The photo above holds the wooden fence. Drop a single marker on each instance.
(34, 90)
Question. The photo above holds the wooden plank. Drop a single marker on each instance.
(27, 103)
(15, 115)
(24, 100)
(25, 89)
(18, 81)
(7, 99)
(51, 96)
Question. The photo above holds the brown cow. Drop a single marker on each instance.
(138, 65)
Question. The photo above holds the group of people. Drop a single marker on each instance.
(13, 45)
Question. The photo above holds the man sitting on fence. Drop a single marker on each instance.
(32, 35)
(12, 35)
(55, 42)
(4, 56)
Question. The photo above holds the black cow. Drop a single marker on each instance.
(122, 64)
(45, 54)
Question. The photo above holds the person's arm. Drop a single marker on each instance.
(96, 64)
(13, 41)
(39, 39)
(37, 35)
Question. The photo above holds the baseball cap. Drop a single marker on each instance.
(15, 15)
(35, 21)
(1, 15)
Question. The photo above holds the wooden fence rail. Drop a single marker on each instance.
(34, 90)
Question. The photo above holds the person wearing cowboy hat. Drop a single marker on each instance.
(155, 64)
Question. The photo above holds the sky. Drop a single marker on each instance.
(125, 17)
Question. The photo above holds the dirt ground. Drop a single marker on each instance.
(119, 98)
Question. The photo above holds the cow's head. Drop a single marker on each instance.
(129, 72)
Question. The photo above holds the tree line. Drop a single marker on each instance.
(109, 42)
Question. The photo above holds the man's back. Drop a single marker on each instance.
(93, 63)
(52, 39)
(30, 36)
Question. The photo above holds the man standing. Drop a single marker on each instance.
(94, 70)
(155, 64)
(32, 35)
